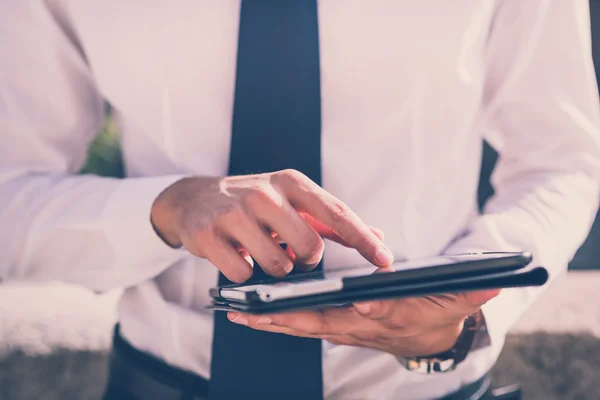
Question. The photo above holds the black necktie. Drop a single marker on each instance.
(276, 125)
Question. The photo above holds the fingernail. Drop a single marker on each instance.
(363, 308)
(264, 320)
(238, 319)
(383, 256)
(289, 268)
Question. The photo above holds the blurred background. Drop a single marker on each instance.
(60, 351)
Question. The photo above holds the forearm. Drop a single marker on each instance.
(540, 112)
(83, 229)
(551, 219)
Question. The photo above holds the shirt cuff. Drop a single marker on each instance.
(140, 253)
(499, 313)
(502, 312)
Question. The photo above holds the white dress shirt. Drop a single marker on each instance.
(409, 88)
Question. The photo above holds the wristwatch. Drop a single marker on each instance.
(448, 360)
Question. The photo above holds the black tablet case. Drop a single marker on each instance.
(525, 276)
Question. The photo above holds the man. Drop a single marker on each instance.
(329, 118)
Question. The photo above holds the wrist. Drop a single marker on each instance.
(449, 355)
(443, 339)
(163, 221)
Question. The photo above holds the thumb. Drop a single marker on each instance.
(372, 309)
(481, 297)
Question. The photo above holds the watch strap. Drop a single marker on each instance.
(448, 360)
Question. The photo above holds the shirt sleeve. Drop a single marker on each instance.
(541, 114)
(55, 224)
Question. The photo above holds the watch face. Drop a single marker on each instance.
(429, 365)
(443, 365)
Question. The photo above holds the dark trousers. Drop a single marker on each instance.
(135, 375)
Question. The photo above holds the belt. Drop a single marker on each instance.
(135, 375)
(478, 390)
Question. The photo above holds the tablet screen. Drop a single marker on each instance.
(426, 262)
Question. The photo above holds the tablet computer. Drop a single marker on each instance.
(439, 274)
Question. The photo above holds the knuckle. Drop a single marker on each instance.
(278, 267)
(293, 175)
(239, 275)
(235, 215)
(290, 177)
(260, 195)
(311, 251)
(204, 235)
(228, 213)
(340, 212)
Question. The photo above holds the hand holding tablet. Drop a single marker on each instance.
(419, 277)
